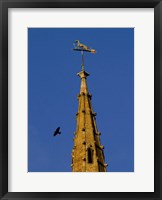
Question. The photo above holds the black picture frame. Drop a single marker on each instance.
(4, 5)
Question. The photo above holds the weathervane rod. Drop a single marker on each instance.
(82, 60)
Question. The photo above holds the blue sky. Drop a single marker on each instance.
(53, 87)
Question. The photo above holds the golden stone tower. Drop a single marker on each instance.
(87, 153)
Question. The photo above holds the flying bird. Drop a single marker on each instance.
(57, 131)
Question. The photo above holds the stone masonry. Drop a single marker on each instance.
(87, 153)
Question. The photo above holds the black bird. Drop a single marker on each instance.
(57, 131)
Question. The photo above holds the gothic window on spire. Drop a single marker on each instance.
(90, 155)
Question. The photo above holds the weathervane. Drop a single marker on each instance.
(81, 47)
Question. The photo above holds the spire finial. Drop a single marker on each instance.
(83, 75)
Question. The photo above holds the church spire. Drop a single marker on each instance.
(87, 153)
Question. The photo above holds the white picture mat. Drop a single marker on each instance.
(142, 180)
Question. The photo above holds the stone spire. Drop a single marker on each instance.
(87, 154)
